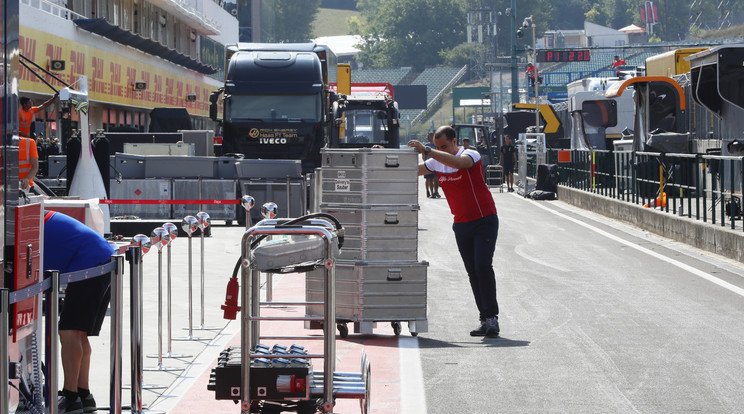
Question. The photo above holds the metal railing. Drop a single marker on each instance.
(53, 9)
(696, 186)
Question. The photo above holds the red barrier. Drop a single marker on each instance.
(123, 201)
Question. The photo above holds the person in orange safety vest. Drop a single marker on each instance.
(26, 113)
(28, 164)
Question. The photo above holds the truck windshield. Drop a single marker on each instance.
(364, 127)
(273, 108)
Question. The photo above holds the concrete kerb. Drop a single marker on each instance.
(712, 238)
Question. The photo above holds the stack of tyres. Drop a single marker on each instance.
(374, 194)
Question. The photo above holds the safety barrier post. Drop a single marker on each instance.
(4, 357)
(117, 278)
(189, 224)
(203, 222)
(172, 234)
(52, 332)
(159, 239)
(247, 202)
(135, 320)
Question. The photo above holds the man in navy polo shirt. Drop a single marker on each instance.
(476, 226)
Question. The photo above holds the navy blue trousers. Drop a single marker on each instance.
(476, 241)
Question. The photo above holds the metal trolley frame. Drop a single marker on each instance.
(347, 385)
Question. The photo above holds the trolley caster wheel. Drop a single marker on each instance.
(343, 330)
(396, 328)
(228, 223)
(414, 334)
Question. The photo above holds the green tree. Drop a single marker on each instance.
(462, 54)
(409, 33)
(613, 13)
(294, 19)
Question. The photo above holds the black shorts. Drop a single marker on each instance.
(432, 175)
(508, 168)
(85, 305)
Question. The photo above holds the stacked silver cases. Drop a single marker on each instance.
(374, 194)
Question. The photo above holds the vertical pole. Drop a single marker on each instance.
(168, 303)
(245, 337)
(537, 76)
(514, 75)
(329, 353)
(255, 304)
(201, 236)
(191, 292)
(135, 321)
(52, 332)
(4, 357)
(160, 305)
(117, 278)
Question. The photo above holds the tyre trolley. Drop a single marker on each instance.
(282, 378)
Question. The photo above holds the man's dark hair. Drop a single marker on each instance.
(447, 131)
(24, 100)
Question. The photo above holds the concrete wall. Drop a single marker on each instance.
(713, 238)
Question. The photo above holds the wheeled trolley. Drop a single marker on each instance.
(281, 377)
(495, 177)
(370, 292)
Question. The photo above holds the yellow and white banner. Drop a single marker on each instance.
(112, 77)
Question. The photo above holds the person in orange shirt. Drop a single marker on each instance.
(26, 113)
(28, 164)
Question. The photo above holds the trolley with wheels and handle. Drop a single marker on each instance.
(282, 378)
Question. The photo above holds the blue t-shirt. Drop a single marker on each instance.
(70, 245)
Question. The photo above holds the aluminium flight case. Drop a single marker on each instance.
(369, 292)
(377, 232)
(369, 176)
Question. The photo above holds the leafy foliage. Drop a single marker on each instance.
(409, 33)
(294, 19)
(422, 33)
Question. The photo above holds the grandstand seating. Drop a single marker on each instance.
(640, 58)
(435, 80)
(392, 76)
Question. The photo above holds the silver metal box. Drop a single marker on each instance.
(188, 189)
(128, 165)
(369, 176)
(371, 233)
(288, 194)
(56, 164)
(174, 166)
(132, 189)
(374, 291)
(203, 141)
(159, 149)
(275, 169)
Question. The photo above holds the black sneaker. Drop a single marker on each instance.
(428, 194)
(492, 327)
(66, 407)
(89, 404)
(480, 331)
(437, 195)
